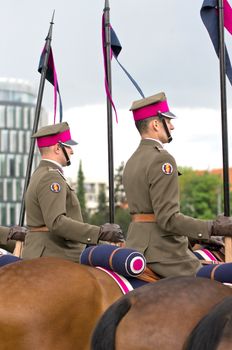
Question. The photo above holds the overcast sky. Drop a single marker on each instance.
(165, 47)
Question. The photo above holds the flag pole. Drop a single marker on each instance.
(18, 246)
(226, 185)
(109, 111)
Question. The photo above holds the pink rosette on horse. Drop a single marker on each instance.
(125, 261)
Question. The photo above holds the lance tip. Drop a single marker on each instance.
(53, 17)
(107, 5)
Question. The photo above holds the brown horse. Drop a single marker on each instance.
(159, 315)
(50, 303)
(214, 331)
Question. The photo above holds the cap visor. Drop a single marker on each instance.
(169, 115)
(70, 143)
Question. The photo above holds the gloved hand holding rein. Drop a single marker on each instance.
(111, 233)
(17, 233)
(222, 226)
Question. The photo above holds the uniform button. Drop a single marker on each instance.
(199, 235)
(88, 239)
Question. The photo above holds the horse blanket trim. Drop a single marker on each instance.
(206, 254)
(121, 281)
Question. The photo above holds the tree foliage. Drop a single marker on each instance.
(123, 218)
(81, 192)
(200, 193)
(200, 197)
(102, 214)
(119, 192)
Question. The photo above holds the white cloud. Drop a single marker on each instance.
(196, 141)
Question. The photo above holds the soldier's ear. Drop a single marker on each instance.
(155, 124)
(57, 147)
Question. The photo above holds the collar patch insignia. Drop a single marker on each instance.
(167, 168)
(55, 187)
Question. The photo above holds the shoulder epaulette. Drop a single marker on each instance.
(58, 171)
(160, 149)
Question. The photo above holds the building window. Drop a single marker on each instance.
(19, 117)
(10, 119)
(26, 116)
(2, 117)
(3, 166)
(11, 165)
(28, 139)
(32, 117)
(90, 187)
(3, 214)
(9, 190)
(4, 141)
(13, 141)
(21, 169)
(12, 215)
(1, 190)
(19, 189)
(20, 141)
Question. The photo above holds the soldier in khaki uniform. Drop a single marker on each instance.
(158, 229)
(53, 212)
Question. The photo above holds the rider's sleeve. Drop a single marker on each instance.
(164, 193)
(61, 210)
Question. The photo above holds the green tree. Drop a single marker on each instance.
(199, 193)
(122, 214)
(123, 218)
(81, 192)
(119, 192)
(102, 214)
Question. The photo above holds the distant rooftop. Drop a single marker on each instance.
(12, 89)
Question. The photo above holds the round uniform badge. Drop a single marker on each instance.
(167, 168)
(55, 187)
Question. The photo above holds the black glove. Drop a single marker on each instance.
(111, 233)
(17, 233)
(222, 226)
(213, 243)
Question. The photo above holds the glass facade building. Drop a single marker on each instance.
(17, 112)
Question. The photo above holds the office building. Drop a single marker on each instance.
(17, 112)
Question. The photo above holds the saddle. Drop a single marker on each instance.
(126, 266)
(148, 276)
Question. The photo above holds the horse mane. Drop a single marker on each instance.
(209, 331)
(103, 337)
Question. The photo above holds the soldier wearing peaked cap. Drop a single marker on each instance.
(150, 178)
(53, 212)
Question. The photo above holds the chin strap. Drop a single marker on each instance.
(65, 153)
(165, 127)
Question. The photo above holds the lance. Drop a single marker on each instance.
(19, 245)
(109, 110)
(226, 186)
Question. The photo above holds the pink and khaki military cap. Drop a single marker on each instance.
(52, 134)
(152, 106)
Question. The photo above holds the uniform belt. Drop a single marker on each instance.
(143, 217)
(38, 229)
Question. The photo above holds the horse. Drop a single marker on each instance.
(51, 303)
(159, 315)
(214, 330)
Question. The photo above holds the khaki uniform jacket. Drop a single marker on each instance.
(150, 180)
(51, 202)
